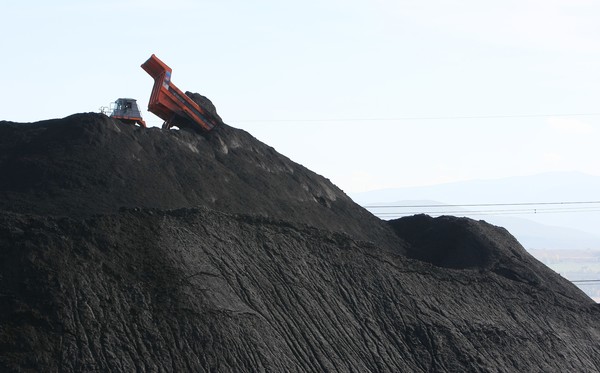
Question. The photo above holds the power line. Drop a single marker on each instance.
(586, 281)
(488, 208)
(402, 214)
(400, 119)
(574, 209)
(486, 204)
(444, 117)
(490, 212)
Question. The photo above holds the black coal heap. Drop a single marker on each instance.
(126, 249)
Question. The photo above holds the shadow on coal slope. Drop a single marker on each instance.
(88, 163)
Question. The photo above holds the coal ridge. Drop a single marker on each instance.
(90, 163)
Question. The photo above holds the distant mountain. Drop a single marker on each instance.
(534, 235)
(531, 235)
(556, 229)
(546, 187)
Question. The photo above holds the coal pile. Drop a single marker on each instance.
(89, 164)
(124, 249)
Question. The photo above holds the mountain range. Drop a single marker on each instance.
(530, 207)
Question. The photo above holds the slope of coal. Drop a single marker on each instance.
(196, 290)
(89, 163)
(123, 249)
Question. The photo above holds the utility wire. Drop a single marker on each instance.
(485, 204)
(396, 119)
(586, 281)
(490, 208)
(444, 117)
(573, 209)
(517, 208)
(400, 215)
(480, 213)
(533, 211)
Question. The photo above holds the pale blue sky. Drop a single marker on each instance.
(332, 59)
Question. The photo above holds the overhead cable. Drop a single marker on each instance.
(443, 117)
(486, 204)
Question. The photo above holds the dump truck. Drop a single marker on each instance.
(172, 105)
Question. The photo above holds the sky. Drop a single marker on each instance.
(371, 94)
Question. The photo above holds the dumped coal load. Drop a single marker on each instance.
(88, 164)
(124, 249)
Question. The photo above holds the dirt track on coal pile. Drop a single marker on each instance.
(123, 249)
